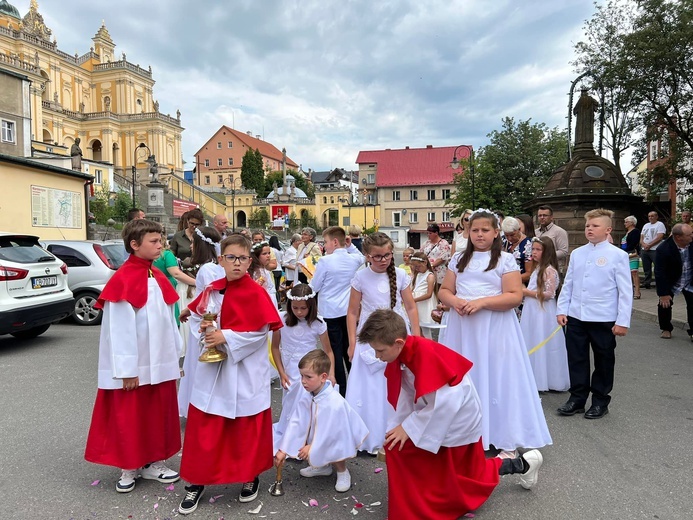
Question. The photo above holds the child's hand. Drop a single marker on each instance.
(473, 306)
(285, 381)
(304, 452)
(332, 379)
(460, 306)
(394, 436)
(617, 330)
(184, 315)
(205, 324)
(562, 320)
(130, 383)
(350, 352)
(214, 339)
(279, 458)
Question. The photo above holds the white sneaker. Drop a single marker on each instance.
(126, 482)
(159, 471)
(343, 481)
(320, 471)
(534, 459)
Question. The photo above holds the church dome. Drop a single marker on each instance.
(298, 192)
(7, 8)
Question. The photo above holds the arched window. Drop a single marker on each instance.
(96, 150)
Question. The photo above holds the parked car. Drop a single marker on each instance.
(91, 263)
(34, 292)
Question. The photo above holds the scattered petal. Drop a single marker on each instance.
(469, 515)
(256, 510)
(377, 470)
(313, 503)
(338, 499)
(374, 504)
(305, 503)
(358, 505)
(324, 507)
(354, 511)
(215, 498)
(170, 488)
(96, 483)
(156, 505)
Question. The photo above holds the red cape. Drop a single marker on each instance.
(433, 365)
(129, 283)
(246, 306)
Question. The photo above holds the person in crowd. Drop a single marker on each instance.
(526, 225)
(181, 240)
(435, 457)
(221, 224)
(630, 243)
(459, 244)
(423, 284)
(674, 274)
(554, 232)
(482, 290)
(168, 264)
(550, 360)
(278, 270)
(686, 217)
(257, 237)
(332, 282)
(335, 431)
(520, 246)
(307, 248)
(228, 436)
(303, 329)
(652, 234)
(437, 250)
(135, 214)
(406, 260)
(355, 236)
(595, 303)
(260, 255)
(139, 349)
(289, 260)
(380, 285)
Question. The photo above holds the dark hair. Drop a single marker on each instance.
(379, 239)
(495, 247)
(384, 326)
(255, 252)
(548, 258)
(136, 229)
(183, 222)
(202, 251)
(433, 228)
(335, 232)
(546, 208)
(317, 361)
(274, 242)
(235, 239)
(529, 224)
(255, 233)
(197, 214)
(421, 256)
(134, 213)
(302, 289)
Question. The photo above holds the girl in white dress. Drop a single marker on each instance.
(381, 285)
(422, 286)
(482, 288)
(550, 362)
(302, 331)
(204, 253)
(261, 254)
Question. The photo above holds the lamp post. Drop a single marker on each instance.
(150, 160)
(231, 181)
(364, 193)
(455, 163)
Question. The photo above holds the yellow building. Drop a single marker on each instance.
(104, 100)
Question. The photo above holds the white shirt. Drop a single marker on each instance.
(289, 262)
(332, 280)
(650, 231)
(597, 285)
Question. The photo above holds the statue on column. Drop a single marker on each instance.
(584, 118)
(76, 155)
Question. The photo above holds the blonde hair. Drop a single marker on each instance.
(600, 213)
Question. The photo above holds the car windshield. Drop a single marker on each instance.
(116, 254)
(23, 250)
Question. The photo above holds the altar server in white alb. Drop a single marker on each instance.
(135, 421)
(595, 304)
(323, 428)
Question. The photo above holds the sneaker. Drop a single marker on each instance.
(193, 494)
(158, 471)
(320, 471)
(249, 490)
(534, 460)
(126, 482)
(343, 481)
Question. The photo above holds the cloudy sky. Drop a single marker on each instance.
(326, 79)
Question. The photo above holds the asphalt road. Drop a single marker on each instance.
(634, 464)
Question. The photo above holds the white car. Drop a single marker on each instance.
(33, 287)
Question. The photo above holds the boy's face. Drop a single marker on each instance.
(238, 265)
(150, 247)
(311, 381)
(388, 353)
(597, 229)
(330, 244)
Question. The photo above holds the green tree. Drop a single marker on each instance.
(252, 173)
(512, 168)
(277, 177)
(259, 218)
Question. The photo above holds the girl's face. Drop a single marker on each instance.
(482, 234)
(380, 258)
(418, 267)
(537, 251)
(265, 256)
(407, 258)
(300, 309)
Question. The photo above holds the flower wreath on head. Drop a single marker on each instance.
(259, 245)
(417, 259)
(484, 210)
(203, 237)
(300, 298)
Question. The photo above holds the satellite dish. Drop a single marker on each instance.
(404, 212)
(363, 181)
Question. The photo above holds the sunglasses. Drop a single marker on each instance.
(466, 219)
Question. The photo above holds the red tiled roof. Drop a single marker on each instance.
(413, 166)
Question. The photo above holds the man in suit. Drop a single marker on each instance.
(674, 273)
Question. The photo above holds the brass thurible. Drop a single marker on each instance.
(210, 355)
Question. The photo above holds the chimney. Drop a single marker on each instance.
(429, 146)
(250, 133)
(257, 136)
(406, 148)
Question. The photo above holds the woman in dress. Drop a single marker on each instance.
(307, 248)
(482, 288)
(459, 244)
(550, 361)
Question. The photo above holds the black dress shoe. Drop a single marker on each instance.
(571, 408)
(596, 411)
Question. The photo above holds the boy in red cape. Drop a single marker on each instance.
(435, 459)
(135, 424)
(228, 436)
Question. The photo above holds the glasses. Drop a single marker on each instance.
(233, 259)
(194, 224)
(380, 258)
(466, 219)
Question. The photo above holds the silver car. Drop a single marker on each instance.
(91, 263)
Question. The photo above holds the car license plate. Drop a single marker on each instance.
(44, 281)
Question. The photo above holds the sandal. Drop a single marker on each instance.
(636, 296)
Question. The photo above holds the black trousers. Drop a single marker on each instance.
(339, 341)
(580, 337)
(664, 315)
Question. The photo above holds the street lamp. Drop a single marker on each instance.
(455, 163)
(364, 193)
(151, 161)
(231, 181)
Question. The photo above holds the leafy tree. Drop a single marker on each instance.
(252, 173)
(278, 177)
(259, 217)
(510, 170)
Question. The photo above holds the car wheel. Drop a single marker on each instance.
(31, 333)
(85, 313)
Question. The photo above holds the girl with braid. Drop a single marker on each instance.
(381, 285)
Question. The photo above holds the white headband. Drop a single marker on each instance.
(300, 298)
(201, 235)
(258, 245)
(484, 210)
